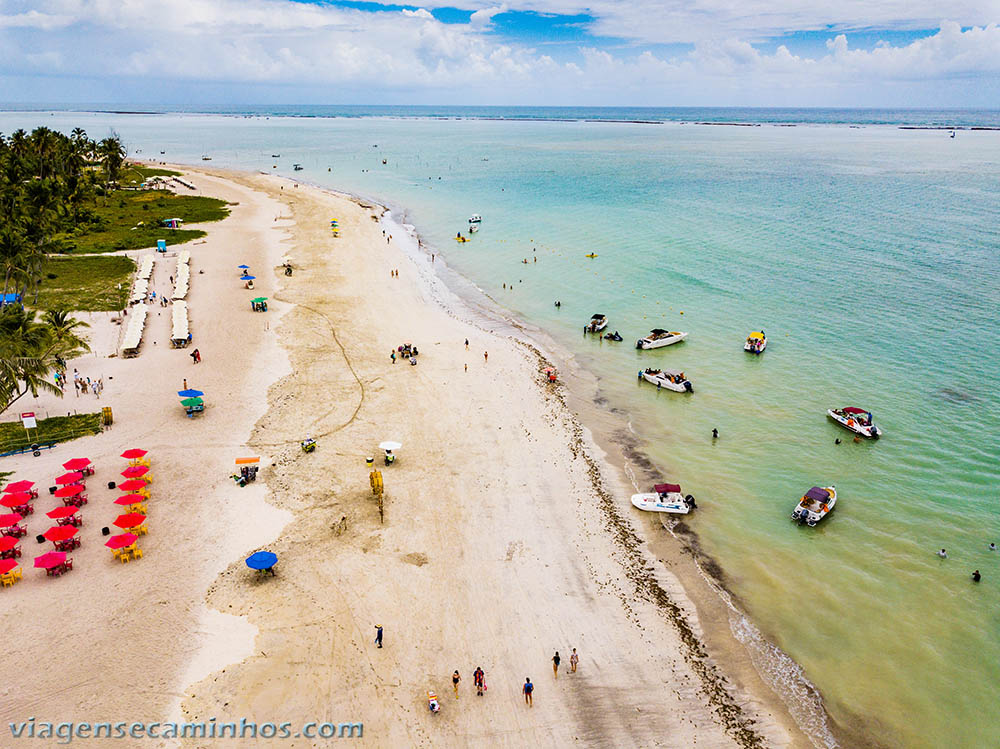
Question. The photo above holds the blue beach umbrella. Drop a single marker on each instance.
(189, 393)
(245, 267)
(262, 560)
(247, 278)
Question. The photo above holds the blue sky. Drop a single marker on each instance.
(602, 52)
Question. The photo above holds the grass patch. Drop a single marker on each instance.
(134, 175)
(54, 429)
(130, 220)
(88, 284)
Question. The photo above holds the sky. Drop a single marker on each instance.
(190, 53)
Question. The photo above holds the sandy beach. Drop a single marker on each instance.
(507, 532)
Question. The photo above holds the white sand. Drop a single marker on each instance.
(507, 535)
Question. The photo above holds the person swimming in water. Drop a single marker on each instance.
(976, 577)
(943, 554)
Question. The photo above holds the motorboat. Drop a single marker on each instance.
(275, 155)
(815, 505)
(671, 379)
(475, 218)
(616, 336)
(206, 157)
(597, 323)
(858, 420)
(297, 167)
(756, 342)
(665, 498)
(659, 337)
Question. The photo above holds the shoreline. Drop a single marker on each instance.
(622, 450)
(689, 573)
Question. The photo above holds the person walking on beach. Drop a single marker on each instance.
(466, 344)
(573, 660)
(393, 356)
(555, 664)
(479, 679)
(527, 689)
(486, 357)
(378, 635)
(455, 678)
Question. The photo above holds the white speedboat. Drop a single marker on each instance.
(659, 337)
(815, 505)
(756, 342)
(475, 218)
(671, 379)
(857, 420)
(597, 323)
(665, 498)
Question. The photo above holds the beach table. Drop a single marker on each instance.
(10, 572)
(73, 477)
(22, 510)
(60, 569)
(129, 553)
(10, 551)
(22, 486)
(68, 545)
(15, 531)
(78, 501)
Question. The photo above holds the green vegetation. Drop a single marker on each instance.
(134, 175)
(89, 283)
(55, 429)
(60, 193)
(31, 349)
(130, 220)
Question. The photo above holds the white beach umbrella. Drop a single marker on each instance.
(389, 445)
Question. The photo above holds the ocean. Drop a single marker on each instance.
(869, 253)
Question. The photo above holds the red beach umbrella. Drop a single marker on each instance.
(121, 540)
(69, 491)
(20, 497)
(50, 559)
(132, 485)
(11, 500)
(134, 453)
(11, 518)
(19, 486)
(134, 472)
(130, 520)
(6, 565)
(130, 499)
(8, 542)
(60, 533)
(76, 464)
(62, 512)
(69, 478)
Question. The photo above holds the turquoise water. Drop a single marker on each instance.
(870, 256)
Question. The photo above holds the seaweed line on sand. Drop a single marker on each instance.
(635, 567)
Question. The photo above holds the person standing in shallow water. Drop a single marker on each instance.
(555, 664)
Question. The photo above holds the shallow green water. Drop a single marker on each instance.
(872, 259)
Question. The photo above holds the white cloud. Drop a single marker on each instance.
(483, 18)
(277, 42)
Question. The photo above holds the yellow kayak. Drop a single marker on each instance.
(592, 254)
